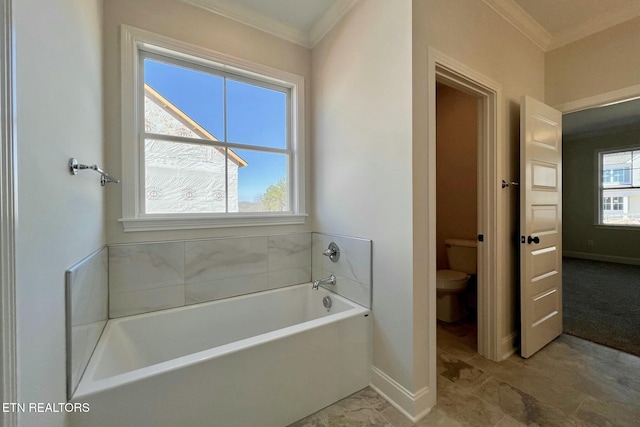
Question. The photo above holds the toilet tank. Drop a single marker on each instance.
(462, 255)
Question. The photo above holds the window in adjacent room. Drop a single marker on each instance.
(620, 187)
(218, 140)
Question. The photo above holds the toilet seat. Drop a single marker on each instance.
(451, 280)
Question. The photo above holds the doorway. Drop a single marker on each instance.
(457, 171)
(490, 207)
(602, 186)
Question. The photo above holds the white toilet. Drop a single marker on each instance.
(462, 256)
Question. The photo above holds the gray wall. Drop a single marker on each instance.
(580, 199)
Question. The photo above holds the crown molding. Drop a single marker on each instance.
(240, 13)
(521, 21)
(331, 17)
(595, 25)
(515, 15)
(248, 16)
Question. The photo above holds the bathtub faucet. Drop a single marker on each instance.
(331, 280)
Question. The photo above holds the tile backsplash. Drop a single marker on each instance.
(154, 276)
(145, 277)
(352, 270)
(87, 302)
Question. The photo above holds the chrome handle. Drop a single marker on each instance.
(333, 252)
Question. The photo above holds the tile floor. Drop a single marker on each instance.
(571, 382)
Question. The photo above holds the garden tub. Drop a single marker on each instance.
(264, 359)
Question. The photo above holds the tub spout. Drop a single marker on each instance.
(331, 280)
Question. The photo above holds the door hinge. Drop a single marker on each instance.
(480, 237)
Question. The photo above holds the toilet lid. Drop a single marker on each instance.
(449, 275)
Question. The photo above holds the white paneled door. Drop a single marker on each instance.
(540, 225)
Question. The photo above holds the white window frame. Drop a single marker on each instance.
(600, 188)
(133, 40)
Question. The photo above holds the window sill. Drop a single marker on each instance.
(617, 227)
(189, 223)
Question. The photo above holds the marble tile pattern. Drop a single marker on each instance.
(155, 276)
(570, 382)
(289, 259)
(145, 277)
(352, 270)
(87, 312)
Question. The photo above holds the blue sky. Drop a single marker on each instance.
(255, 116)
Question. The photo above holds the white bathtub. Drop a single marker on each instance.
(265, 359)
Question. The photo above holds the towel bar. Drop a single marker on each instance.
(74, 167)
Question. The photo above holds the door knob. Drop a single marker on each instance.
(535, 240)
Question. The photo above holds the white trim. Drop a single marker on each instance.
(599, 190)
(8, 212)
(245, 15)
(414, 406)
(166, 223)
(611, 227)
(492, 273)
(515, 15)
(595, 25)
(600, 100)
(510, 345)
(332, 16)
(601, 257)
(132, 40)
(129, 118)
(521, 21)
(508, 10)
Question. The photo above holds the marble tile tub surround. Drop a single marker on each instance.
(154, 276)
(87, 312)
(353, 269)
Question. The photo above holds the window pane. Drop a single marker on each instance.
(262, 183)
(256, 115)
(184, 178)
(183, 102)
(622, 209)
(616, 169)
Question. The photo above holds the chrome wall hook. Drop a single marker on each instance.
(74, 167)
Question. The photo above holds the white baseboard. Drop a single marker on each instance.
(509, 346)
(414, 406)
(602, 257)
